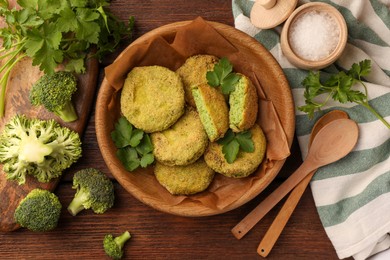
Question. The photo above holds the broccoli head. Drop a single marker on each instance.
(55, 92)
(41, 148)
(114, 246)
(38, 211)
(93, 190)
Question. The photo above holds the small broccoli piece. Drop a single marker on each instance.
(55, 92)
(94, 190)
(38, 211)
(113, 246)
(41, 148)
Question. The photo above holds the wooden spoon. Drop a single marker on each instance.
(277, 226)
(334, 141)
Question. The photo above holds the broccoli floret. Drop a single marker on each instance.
(94, 190)
(41, 148)
(55, 92)
(38, 211)
(113, 246)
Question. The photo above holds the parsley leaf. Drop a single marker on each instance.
(136, 137)
(245, 141)
(51, 32)
(339, 87)
(67, 21)
(134, 146)
(230, 150)
(223, 75)
(129, 158)
(146, 160)
(122, 133)
(232, 143)
(145, 146)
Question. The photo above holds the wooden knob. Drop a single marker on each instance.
(267, 4)
(266, 14)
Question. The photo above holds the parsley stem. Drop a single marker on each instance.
(372, 110)
(4, 82)
(2, 49)
(14, 54)
(365, 87)
(8, 54)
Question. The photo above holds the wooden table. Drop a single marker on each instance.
(157, 235)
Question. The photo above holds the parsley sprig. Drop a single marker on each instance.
(52, 32)
(223, 75)
(339, 87)
(134, 146)
(232, 143)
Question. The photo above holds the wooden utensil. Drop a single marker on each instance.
(277, 226)
(333, 142)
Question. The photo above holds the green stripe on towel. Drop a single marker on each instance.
(382, 11)
(337, 213)
(355, 162)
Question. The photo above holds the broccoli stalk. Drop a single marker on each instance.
(55, 92)
(77, 204)
(94, 190)
(67, 113)
(41, 148)
(38, 211)
(113, 246)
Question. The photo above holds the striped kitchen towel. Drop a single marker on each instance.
(352, 196)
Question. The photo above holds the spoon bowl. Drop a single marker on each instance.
(271, 236)
(333, 142)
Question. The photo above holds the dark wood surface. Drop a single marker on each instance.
(157, 235)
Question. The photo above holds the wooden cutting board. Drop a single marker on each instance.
(17, 102)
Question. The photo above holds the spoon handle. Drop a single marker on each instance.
(277, 226)
(268, 203)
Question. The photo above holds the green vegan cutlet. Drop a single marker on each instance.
(212, 109)
(184, 180)
(245, 163)
(243, 103)
(193, 72)
(152, 98)
(183, 143)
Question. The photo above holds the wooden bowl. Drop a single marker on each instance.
(306, 63)
(151, 193)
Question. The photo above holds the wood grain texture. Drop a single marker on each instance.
(280, 221)
(276, 89)
(269, 14)
(158, 235)
(301, 62)
(334, 141)
(17, 102)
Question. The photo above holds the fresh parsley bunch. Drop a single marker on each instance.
(134, 146)
(223, 75)
(232, 143)
(52, 32)
(339, 87)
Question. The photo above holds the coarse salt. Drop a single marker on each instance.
(314, 35)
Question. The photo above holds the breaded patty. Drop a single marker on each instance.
(245, 164)
(243, 103)
(152, 98)
(193, 72)
(184, 180)
(183, 143)
(212, 109)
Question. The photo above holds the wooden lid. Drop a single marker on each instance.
(267, 14)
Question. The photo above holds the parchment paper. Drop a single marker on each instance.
(199, 37)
